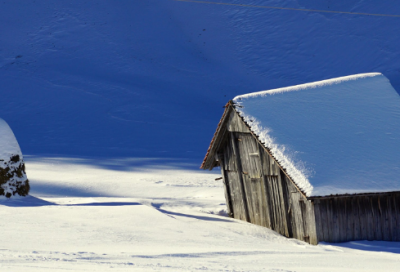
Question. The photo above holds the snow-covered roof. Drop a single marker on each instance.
(336, 136)
(8, 144)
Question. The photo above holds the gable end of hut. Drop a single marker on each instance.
(257, 188)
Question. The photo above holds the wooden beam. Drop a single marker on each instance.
(240, 170)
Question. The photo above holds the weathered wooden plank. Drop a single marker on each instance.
(249, 198)
(325, 219)
(384, 219)
(369, 217)
(237, 204)
(286, 202)
(362, 217)
(283, 204)
(235, 123)
(318, 221)
(287, 189)
(391, 221)
(335, 220)
(311, 225)
(339, 212)
(396, 210)
(297, 215)
(225, 180)
(377, 217)
(291, 206)
(349, 220)
(236, 154)
(264, 191)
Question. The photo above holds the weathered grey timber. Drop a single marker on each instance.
(259, 191)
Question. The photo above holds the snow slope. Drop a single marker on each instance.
(335, 136)
(86, 218)
(8, 144)
(149, 78)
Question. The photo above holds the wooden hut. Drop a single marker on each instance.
(350, 192)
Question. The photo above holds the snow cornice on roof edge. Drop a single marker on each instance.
(311, 85)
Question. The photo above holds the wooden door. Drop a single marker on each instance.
(253, 180)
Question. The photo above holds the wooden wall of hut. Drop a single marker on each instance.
(257, 190)
(361, 217)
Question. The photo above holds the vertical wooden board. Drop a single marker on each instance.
(231, 122)
(236, 155)
(304, 215)
(393, 224)
(283, 208)
(236, 197)
(335, 218)
(311, 224)
(362, 217)
(377, 218)
(369, 218)
(349, 220)
(256, 184)
(373, 219)
(265, 202)
(396, 202)
(277, 206)
(265, 162)
(330, 222)
(356, 218)
(318, 221)
(286, 185)
(229, 158)
(264, 216)
(389, 217)
(249, 197)
(267, 206)
(271, 196)
(323, 209)
(236, 124)
(387, 220)
(274, 202)
(225, 180)
(297, 215)
(293, 205)
(342, 208)
(384, 219)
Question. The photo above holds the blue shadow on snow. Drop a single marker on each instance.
(375, 246)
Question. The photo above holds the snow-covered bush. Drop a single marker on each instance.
(13, 180)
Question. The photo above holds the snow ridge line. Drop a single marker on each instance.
(305, 86)
(296, 9)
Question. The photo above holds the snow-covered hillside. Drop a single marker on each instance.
(149, 78)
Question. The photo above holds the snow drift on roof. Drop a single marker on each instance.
(8, 144)
(337, 136)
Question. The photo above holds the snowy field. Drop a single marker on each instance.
(87, 215)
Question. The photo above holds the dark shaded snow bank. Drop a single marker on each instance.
(149, 78)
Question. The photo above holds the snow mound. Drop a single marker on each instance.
(336, 136)
(13, 180)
